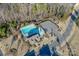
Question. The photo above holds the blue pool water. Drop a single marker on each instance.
(26, 30)
(33, 32)
(45, 51)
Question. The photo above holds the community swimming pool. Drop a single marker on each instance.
(30, 30)
(44, 51)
